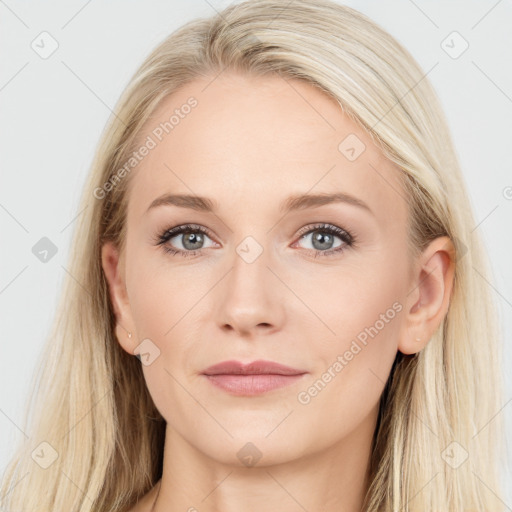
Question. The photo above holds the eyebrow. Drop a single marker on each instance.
(296, 202)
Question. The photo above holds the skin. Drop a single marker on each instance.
(249, 144)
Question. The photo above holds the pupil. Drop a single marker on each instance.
(322, 240)
(192, 238)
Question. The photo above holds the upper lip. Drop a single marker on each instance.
(259, 367)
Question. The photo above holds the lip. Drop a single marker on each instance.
(251, 379)
(259, 367)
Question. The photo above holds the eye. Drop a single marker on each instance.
(323, 239)
(190, 239)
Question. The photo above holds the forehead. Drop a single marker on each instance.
(248, 138)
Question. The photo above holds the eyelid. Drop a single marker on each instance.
(347, 238)
(342, 233)
(184, 228)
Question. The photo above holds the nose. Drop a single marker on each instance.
(250, 300)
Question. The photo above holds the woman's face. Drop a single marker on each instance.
(319, 285)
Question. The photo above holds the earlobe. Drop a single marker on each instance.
(113, 269)
(429, 299)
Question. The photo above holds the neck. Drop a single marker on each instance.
(333, 479)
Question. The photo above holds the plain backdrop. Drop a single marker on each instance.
(53, 110)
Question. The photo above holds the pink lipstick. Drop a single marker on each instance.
(251, 379)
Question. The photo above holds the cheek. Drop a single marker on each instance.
(160, 293)
(363, 309)
(347, 385)
(154, 308)
(159, 315)
(357, 302)
(164, 306)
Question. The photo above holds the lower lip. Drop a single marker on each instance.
(251, 385)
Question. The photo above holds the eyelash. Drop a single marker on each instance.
(348, 239)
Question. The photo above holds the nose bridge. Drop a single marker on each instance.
(250, 293)
(248, 282)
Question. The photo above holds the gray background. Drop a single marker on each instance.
(54, 109)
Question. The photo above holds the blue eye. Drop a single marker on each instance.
(193, 236)
(323, 239)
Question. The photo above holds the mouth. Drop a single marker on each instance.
(251, 379)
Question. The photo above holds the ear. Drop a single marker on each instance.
(428, 301)
(113, 267)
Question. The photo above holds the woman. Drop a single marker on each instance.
(273, 302)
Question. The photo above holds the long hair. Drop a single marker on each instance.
(90, 405)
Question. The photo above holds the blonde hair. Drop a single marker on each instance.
(91, 403)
